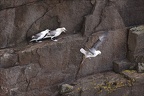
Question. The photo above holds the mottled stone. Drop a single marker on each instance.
(110, 19)
(6, 27)
(92, 20)
(36, 69)
(66, 88)
(8, 58)
(137, 90)
(136, 78)
(16, 21)
(120, 65)
(102, 84)
(127, 10)
(14, 3)
(136, 45)
(60, 59)
(135, 40)
(25, 19)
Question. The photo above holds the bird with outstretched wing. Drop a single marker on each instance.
(93, 51)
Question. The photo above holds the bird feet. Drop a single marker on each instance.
(54, 39)
(39, 41)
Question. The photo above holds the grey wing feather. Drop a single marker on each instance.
(36, 36)
(101, 39)
(52, 33)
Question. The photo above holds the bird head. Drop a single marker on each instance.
(63, 29)
(98, 52)
(48, 30)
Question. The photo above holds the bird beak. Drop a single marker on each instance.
(65, 31)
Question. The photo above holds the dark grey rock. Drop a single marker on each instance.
(135, 40)
(135, 77)
(8, 58)
(101, 84)
(120, 65)
(36, 69)
(136, 47)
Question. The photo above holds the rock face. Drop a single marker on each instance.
(127, 12)
(135, 42)
(37, 69)
(24, 20)
(136, 47)
(119, 66)
(109, 84)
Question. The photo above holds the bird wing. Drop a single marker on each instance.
(52, 33)
(37, 36)
(40, 35)
(101, 39)
(83, 51)
(92, 50)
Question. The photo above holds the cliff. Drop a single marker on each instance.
(37, 69)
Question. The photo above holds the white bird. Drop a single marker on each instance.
(55, 33)
(40, 36)
(93, 52)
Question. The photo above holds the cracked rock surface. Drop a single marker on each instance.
(38, 69)
(109, 84)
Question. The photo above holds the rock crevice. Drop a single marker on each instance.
(37, 69)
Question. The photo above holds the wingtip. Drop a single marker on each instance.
(31, 40)
(49, 30)
(82, 51)
(104, 35)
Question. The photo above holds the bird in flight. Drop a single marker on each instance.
(93, 51)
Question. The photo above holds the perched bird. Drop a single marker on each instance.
(93, 52)
(40, 36)
(55, 33)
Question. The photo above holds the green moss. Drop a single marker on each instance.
(79, 89)
(138, 28)
(110, 87)
(129, 71)
(130, 80)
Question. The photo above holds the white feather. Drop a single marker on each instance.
(55, 33)
(39, 36)
(91, 53)
(83, 51)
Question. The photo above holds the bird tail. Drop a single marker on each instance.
(83, 51)
(32, 40)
